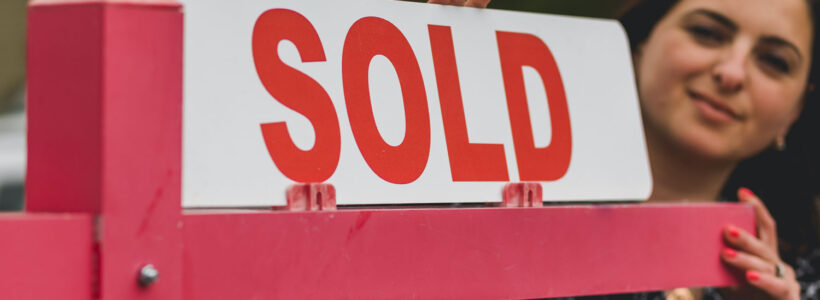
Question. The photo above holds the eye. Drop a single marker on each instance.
(775, 62)
(707, 35)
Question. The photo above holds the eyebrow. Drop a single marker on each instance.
(781, 42)
(717, 17)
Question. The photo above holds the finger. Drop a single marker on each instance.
(778, 288)
(477, 3)
(766, 226)
(746, 242)
(745, 261)
(788, 271)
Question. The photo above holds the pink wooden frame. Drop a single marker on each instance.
(103, 199)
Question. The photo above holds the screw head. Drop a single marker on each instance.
(148, 275)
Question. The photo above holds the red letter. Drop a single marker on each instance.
(468, 161)
(535, 164)
(298, 92)
(367, 38)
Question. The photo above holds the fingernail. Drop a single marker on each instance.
(734, 232)
(752, 275)
(744, 192)
(731, 253)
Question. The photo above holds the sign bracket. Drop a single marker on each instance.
(311, 197)
(522, 194)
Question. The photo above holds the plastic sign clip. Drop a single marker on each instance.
(522, 194)
(311, 197)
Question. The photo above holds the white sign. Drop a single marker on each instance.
(398, 102)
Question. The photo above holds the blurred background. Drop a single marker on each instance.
(12, 94)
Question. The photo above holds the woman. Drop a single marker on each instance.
(720, 81)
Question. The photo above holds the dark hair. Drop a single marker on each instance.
(642, 18)
(787, 181)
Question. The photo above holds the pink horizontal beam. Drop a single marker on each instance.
(456, 253)
(46, 256)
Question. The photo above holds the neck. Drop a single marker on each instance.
(680, 175)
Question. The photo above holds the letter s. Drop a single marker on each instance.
(298, 92)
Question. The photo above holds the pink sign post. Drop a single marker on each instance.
(104, 218)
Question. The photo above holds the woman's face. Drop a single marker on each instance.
(724, 78)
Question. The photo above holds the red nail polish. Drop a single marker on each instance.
(752, 275)
(731, 253)
(744, 192)
(734, 232)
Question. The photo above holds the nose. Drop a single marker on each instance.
(730, 71)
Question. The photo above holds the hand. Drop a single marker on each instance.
(470, 3)
(758, 257)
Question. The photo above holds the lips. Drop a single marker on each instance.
(714, 109)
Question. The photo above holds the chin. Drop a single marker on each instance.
(709, 146)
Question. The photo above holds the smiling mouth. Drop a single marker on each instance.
(714, 109)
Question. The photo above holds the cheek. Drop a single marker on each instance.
(669, 60)
(774, 107)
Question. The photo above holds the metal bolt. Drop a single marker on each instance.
(148, 275)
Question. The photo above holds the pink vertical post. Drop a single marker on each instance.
(104, 133)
